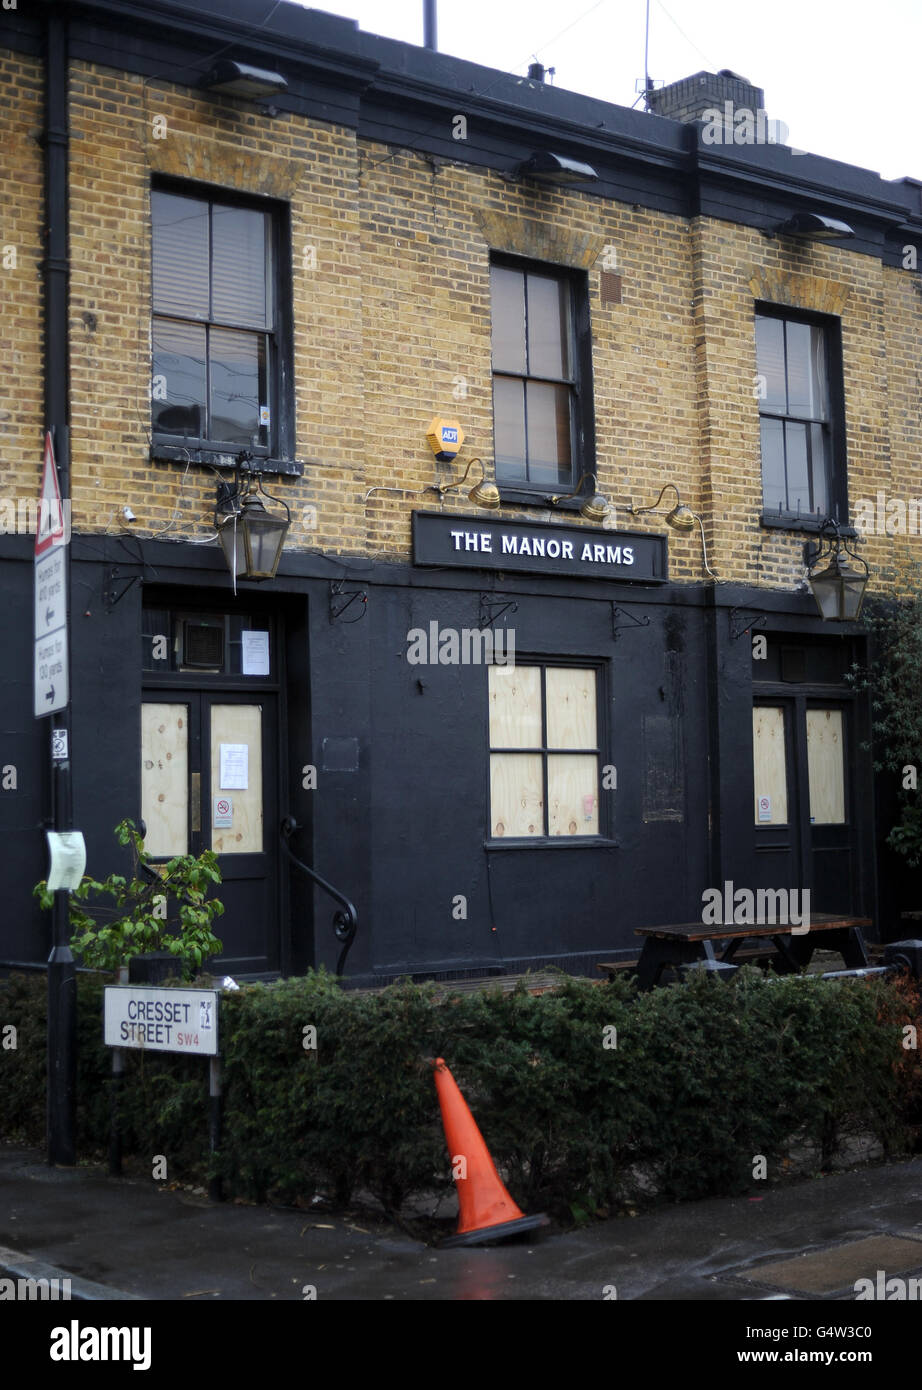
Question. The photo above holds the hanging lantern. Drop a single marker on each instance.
(251, 537)
(838, 589)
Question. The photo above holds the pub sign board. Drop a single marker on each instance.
(538, 547)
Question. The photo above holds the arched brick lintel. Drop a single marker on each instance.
(540, 241)
(811, 292)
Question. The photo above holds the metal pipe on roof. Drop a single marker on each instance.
(430, 36)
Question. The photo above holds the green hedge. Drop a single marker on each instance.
(702, 1078)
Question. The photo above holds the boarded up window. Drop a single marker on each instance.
(571, 716)
(572, 794)
(236, 727)
(769, 765)
(826, 766)
(550, 784)
(165, 778)
(515, 708)
(516, 794)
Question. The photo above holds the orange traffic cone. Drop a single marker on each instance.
(485, 1209)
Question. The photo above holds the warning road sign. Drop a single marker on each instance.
(49, 530)
(50, 659)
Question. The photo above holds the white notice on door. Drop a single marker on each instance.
(234, 766)
(255, 656)
(765, 808)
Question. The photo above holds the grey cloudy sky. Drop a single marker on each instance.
(842, 76)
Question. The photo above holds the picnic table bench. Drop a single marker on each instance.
(793, 943)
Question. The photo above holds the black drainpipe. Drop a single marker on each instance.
(62, 978)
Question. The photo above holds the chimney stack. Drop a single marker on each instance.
(691, 97)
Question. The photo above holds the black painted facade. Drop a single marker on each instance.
(401, 826)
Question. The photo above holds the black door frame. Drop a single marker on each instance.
(163, 685)
(802, 833)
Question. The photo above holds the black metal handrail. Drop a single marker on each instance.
(345, 923)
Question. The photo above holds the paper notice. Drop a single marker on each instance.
(68, 859)
(235, 765)
(255, 656)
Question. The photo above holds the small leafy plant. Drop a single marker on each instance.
(161, 907)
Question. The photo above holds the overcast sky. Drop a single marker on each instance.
(843, 77)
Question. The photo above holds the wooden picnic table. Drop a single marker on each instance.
(683, 943)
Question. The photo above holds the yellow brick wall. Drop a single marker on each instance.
(123, 131)
(21, 214)
(390, 258)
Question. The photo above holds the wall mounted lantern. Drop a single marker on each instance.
(235, 79)
(554, 168)
(811, 226)
(251, 537)
(681, 518)
(594, 508)
(482, 494)
(839, 588)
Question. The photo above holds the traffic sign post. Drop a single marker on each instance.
(50, 632)
(51, 694)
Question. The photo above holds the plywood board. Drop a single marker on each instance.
(516, 795)
(240, 725)
(165, 778)
(571, 714)
(573, 794)
(826, 766)
(769, 764)
(515, 707)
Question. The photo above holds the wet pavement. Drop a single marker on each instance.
(136, 1238)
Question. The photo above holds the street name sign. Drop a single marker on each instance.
(161, 1019)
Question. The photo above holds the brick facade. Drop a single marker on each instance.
(390, 256)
